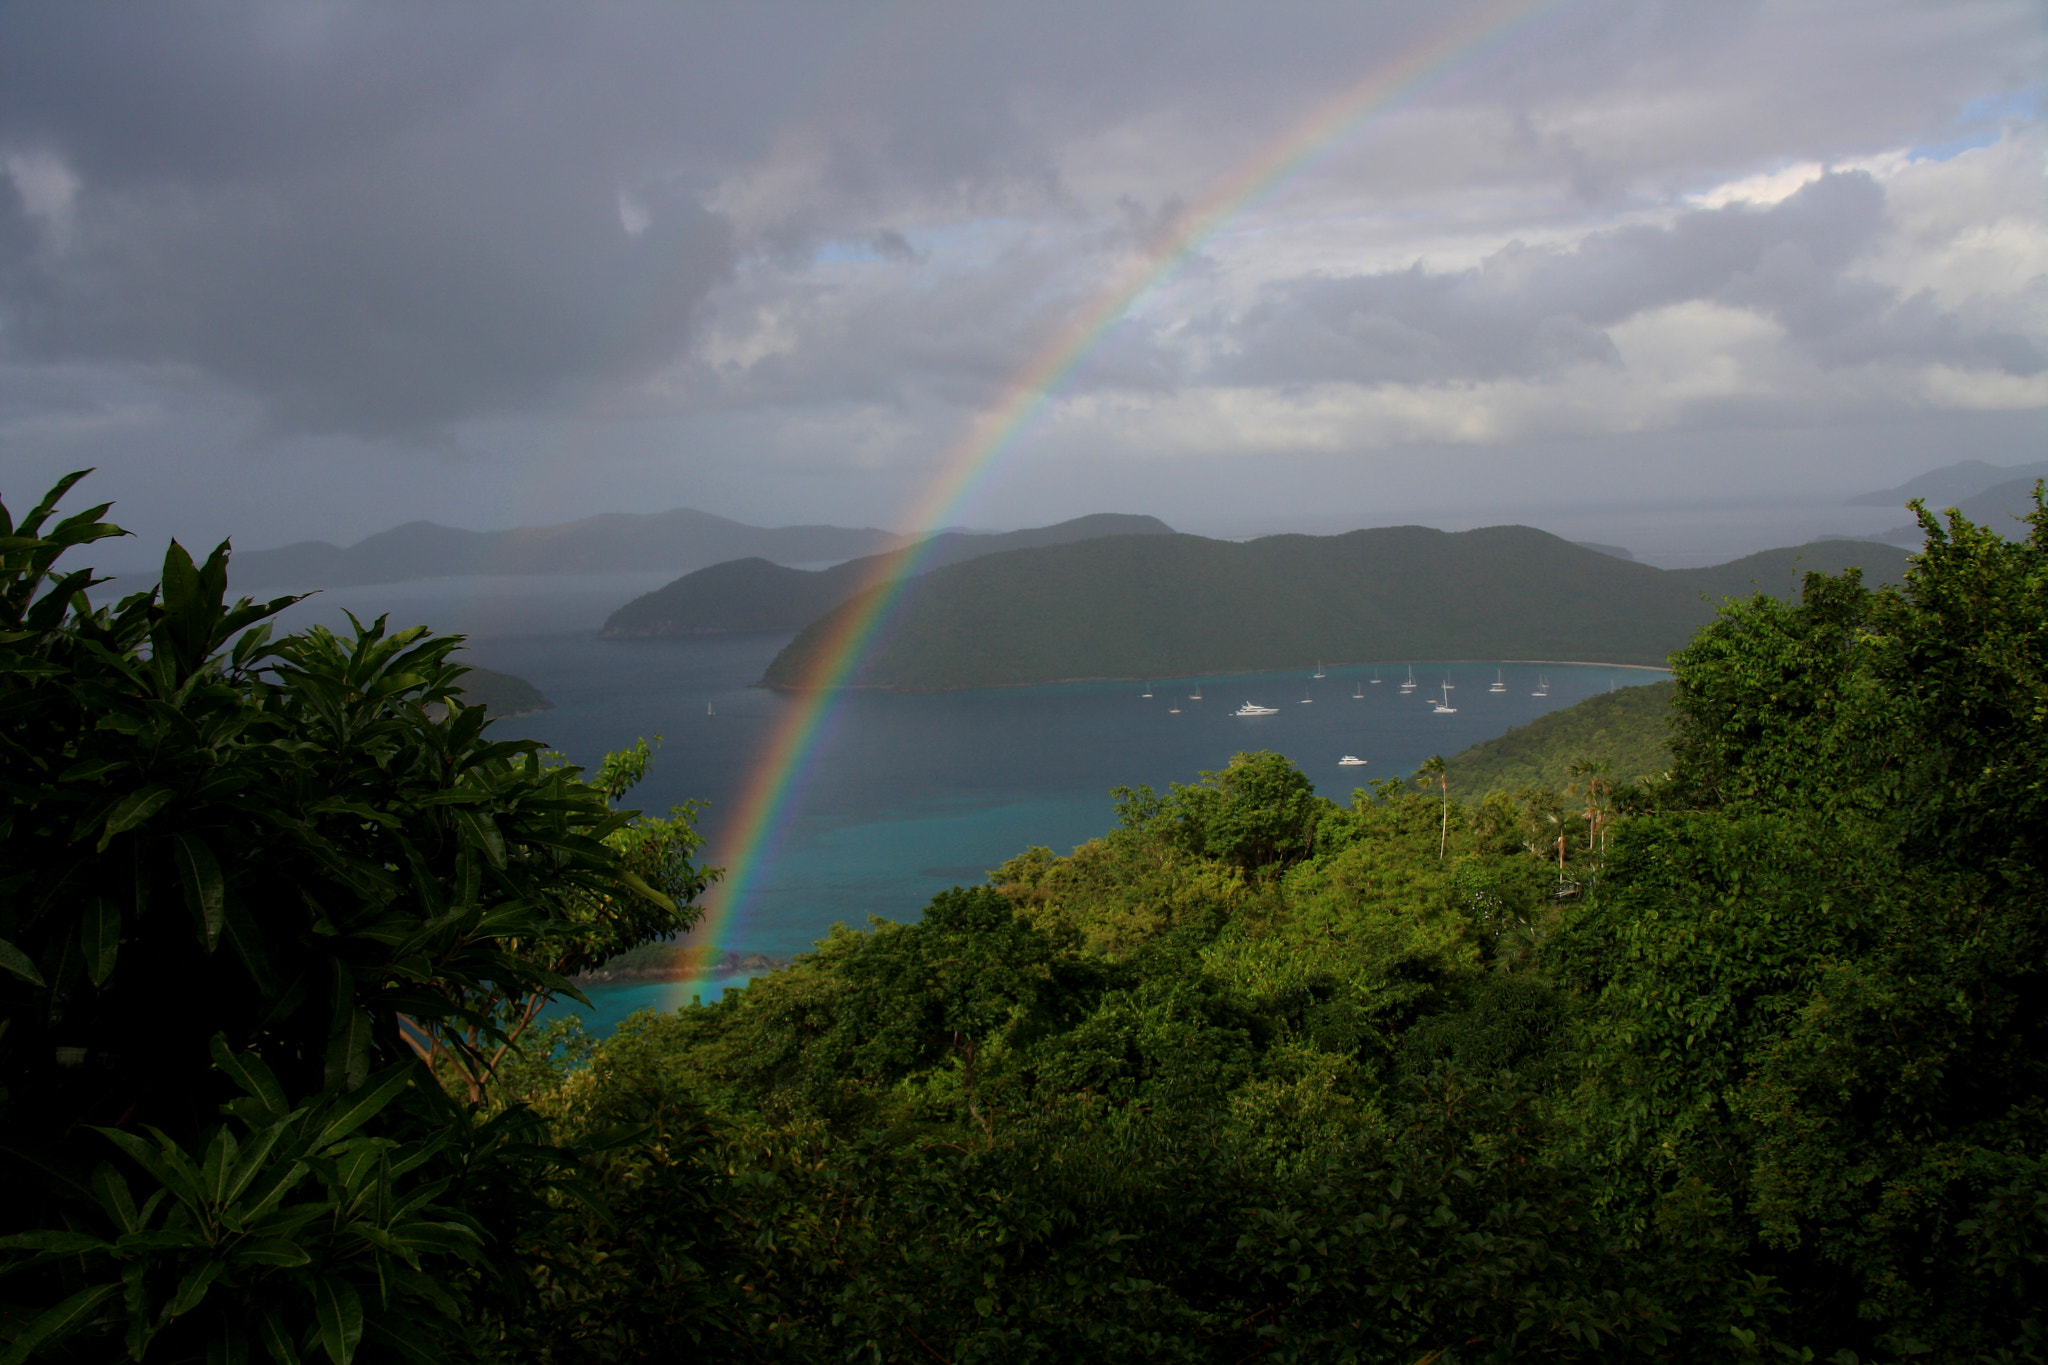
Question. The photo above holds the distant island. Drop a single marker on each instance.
(618, 542)
(1182, 605)
(502, 693)
(756, 594)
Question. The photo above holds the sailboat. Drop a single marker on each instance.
(1196, 695)
(1305, 697)
(1147, 692)
(1444, 707)
(1542, 686)
(1358, 691)
(1375, 677)
(1319, 669)
(1499, 682)
(1173, 710)
(1409, 686)
(707, 708)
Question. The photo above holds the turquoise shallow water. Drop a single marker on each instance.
(907, 795)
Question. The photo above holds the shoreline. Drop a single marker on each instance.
(767, 686)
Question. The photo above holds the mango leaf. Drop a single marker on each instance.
(16, 961)
(355, 1110)
(99, 938)
(205, 891)
(132, 809)
(340, 1313)
(193, 1287)
(277, 1251)
(276, 1340)
(247, 1070)
(53, 1239)
(58, 1321)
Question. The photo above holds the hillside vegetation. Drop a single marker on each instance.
(1629, 729)
(754, 594)
(1157, 606)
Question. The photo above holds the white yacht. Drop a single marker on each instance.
(1500, 683)
(1147, 692)
(1542, 686)
(1348, 761)
(1358, 691)
(1444, 707)
(1305, 697)
(1254, 709)
(1409, 686)
(1375, 677)
(1319, 670)
(1196, 695)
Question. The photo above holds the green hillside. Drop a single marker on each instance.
(1155, 606)
(755, 594)
(1628, 728)
(504, 694)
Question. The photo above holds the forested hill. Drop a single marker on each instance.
(1628, 729)
(755, 594)
(1180, 605)
(617, 542)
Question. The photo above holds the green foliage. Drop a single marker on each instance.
(282, 870)
(1629, 728)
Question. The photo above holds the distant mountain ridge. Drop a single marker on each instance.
(1183, 605)
(1952, 485)
(616, 542)
(755, 594)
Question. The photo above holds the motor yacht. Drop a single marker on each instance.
(1254, 709)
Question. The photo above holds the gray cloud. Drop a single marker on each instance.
(1532, 311)
(758, 231)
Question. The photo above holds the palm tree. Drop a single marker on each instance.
(1435, 768)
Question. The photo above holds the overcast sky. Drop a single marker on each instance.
(286, 271)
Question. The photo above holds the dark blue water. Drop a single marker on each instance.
(909, 794)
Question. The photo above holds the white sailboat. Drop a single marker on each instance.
(1500, 683)
(1542, 686)
(1147, 692)
(1375, 677)
(1196, 695)
(707, 708)
(1444, 707)
(1319, 670)
(1173, 710)
(1409, 686)
(1305, 697)
(1358, 691)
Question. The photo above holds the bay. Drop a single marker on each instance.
(906, 794)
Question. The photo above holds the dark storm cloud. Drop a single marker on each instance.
(1531, 311)
(384, 220)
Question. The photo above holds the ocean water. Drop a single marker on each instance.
(908, 794)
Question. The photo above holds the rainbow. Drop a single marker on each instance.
(748, 843)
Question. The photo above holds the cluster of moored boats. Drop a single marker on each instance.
(1441, 705)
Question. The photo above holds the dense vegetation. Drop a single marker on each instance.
(272, 915)
(755, 594)
(1628, 729)
(1180, 605)
(1746, 1064)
